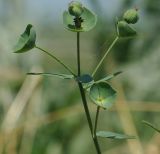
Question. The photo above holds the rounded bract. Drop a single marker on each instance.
(75, 9)
(102, 94)
(26, 41)
(125, 30)
(131, 16)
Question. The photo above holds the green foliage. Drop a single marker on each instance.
(26, 41)
(80, 19)
(102, 94)
(112, 135)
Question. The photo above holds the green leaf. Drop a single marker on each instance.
(86, 78)
(102, 94)
(88, 85)
(62, 76)
(125, 30)
(151, 125)
(26, 41)
(108, 77)
(112, 135)
(88, 17)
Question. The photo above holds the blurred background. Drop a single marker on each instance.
(45, 115)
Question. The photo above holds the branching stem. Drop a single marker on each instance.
(57, 59)
(84, 100)
(106, 53)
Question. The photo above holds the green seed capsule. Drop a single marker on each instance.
(75, 9)
(131, 16)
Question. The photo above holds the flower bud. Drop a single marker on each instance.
(75, 8)
(131, 16)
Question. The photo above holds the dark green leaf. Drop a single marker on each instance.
(89, 21)
(84, 78)
(112, 135)
(62, 76)
(102, 94)
(125, 30)
(151, 125)
(26, 41)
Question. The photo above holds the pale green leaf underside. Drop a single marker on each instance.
(112, 135)
(26, 41)
(90, 20)
(62, 76)
(102, 94)
(151, 125)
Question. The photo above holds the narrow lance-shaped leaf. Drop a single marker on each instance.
(102, 94)
(112, 135)
(108, 77)
(62, 76)
(88, 85)
(26, 41)
(151, 125)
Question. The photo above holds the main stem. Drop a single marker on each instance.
(101, 61)
(83, 96)
(57, 59)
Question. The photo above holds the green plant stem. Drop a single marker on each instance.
(83, 97)
(57, 59)
(106, 53)
(78, 54)
(96, 121)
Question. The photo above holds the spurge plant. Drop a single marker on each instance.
(79, 19)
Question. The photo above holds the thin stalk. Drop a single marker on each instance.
(83, 97)
(96, 121)
(78, 54)
(106, 53)
(57, 59)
